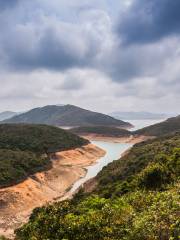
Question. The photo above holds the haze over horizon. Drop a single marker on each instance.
(100, 55)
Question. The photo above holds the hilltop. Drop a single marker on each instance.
(166, 127)
(67, 115)
(25, 149)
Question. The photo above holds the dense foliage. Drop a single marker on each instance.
(17, 165)
(167, 127)
(24, 149)
(37, 138)
(137, 198)
(138, 215)
(101, 130)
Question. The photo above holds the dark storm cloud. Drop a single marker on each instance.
(4, 4)
(48, 51)
(37, 38)
(40, 40)
(149, 21)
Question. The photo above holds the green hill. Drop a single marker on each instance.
(136, 197)
(24, 149)
(169, 126)
(67, 115)
(102, 131)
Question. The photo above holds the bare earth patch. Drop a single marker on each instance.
(18, 201)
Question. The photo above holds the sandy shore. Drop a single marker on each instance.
(17, 202)
(131, 139)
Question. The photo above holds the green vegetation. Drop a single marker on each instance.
(17, 165)
(66, 115)
(138, 215)
(101, 130)
(24, 149)
(152, 164)
(167, 127)
(37, 138)
(136, 198)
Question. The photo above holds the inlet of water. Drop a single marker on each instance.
(113, 152)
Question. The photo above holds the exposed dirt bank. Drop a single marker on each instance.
(130, 139)
(17, 202)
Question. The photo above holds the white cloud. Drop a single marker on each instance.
(69, 52)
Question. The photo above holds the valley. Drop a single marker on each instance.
(71, 171)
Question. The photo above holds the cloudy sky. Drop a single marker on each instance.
(103, 55)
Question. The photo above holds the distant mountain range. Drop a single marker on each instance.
(66, 115)
(7, 114)
(138, 115)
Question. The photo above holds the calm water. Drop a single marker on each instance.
(113, 152)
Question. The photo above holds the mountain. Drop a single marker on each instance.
(166, 127)
(67, 115)
(138, 115)
(25, 149)
(135, 197)
(7, 114)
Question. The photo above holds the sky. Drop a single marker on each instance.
(103, 55)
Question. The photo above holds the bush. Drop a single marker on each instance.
(154, 176)
(139, 215)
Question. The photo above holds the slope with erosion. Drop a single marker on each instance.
(18, 201)
(136, 197)
(24, 149)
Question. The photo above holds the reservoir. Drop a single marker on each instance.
(113, 152)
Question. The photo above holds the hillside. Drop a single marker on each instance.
(67, 115)
(6, 115)
(136, 197)
(169, 126)
(101, 131)
(24, 149)
(147, 165)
